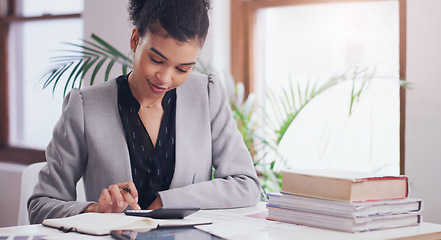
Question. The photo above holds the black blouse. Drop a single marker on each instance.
(152, 166)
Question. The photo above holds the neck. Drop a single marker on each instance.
(152, 105)
(144, 102)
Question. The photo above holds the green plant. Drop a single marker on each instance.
(286, 107)
(294, 100)
(91, 55)
(263, 129)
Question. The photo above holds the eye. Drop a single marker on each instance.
(181, 70)
(156, 61)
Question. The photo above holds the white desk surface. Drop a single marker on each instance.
(238, 224)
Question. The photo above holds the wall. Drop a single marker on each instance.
(423, 105)
(216, 51)
(109, 20)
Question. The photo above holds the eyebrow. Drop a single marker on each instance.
(162, 55)
(158, 52)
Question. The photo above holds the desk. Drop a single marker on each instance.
(242, 223)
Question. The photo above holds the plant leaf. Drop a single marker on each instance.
(109, 67)
(97, 68)
(111, 48)
(87, 67)
(59, 74)
(70, 77)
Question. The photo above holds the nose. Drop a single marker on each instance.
(164, 76)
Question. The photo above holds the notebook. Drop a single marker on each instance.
(104, 223)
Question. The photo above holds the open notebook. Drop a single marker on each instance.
(103, 223)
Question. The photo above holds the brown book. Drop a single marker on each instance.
(344, 185)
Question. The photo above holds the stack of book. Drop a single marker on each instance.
(343, 200)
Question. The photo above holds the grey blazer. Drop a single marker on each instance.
(89, 141)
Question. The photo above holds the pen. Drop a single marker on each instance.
(127, 189)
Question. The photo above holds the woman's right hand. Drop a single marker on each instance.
(116, 198)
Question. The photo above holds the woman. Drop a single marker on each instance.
(149, 139)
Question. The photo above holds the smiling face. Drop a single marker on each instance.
(160, 64)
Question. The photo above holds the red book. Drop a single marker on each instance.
(344, 185)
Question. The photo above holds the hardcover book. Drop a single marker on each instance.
(342, 223)
(344, 209)
(344, 185)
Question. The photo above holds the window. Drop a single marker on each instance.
(287, 41)
(33, 31)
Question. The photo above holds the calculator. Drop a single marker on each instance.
(164, 212)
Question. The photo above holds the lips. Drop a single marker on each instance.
(156, 88)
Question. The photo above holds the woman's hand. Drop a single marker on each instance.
(116, 198)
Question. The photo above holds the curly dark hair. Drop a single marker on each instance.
(183, 20)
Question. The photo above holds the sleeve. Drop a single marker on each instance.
(235, 182)
(66, 155)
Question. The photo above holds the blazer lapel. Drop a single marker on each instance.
(193, 135)
(182, 120)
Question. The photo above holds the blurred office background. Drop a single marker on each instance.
(390, 130)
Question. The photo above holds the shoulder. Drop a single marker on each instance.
(102, 95)
(201, 83)
(195, 82)
(100, 90)
(196, 78)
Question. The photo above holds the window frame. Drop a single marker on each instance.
(243, 21)
(10, 153)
